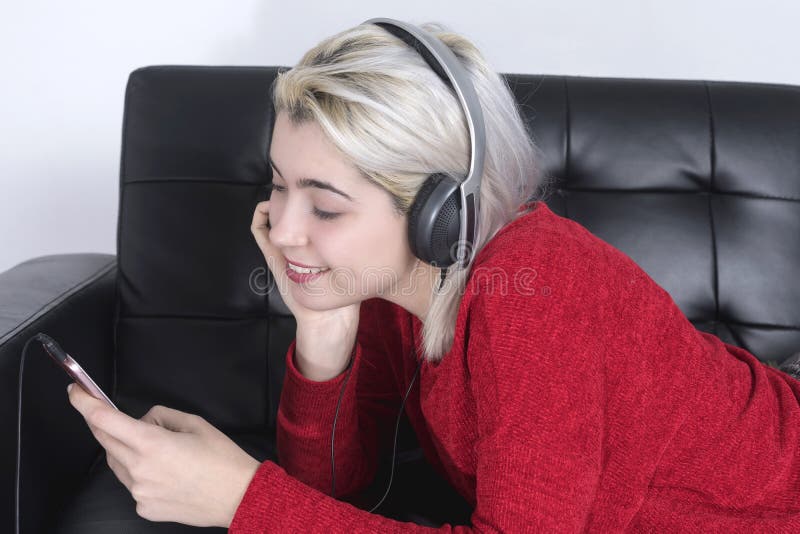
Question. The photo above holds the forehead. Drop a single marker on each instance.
(303, 151)
(304, 146)
(287, 131)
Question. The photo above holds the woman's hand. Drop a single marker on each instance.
(176, 465)
(324, 338)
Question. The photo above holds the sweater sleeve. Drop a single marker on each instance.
(277, 502)
(369, 406)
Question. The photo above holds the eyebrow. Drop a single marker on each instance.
(312, 182)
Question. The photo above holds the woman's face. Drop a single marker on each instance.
(357, 234)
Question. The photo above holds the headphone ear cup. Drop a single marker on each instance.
(434, 221)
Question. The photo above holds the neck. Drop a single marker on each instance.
(415, 291)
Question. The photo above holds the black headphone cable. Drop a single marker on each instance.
(396, 428)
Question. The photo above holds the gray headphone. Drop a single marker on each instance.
(445, 211)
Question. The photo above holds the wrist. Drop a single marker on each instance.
(246, 474)
(307, 359)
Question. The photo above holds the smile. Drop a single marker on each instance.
(306, 270)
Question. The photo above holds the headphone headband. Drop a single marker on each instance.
(444, 62)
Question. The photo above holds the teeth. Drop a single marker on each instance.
(305, 270)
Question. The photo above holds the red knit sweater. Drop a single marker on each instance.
(576, 397)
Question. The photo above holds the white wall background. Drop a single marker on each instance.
(64, 68)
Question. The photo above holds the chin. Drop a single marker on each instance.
(319, 300)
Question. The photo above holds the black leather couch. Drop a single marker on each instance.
(698, 182)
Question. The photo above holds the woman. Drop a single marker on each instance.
(580, 399)
(559, 387)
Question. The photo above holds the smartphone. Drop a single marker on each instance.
(66, 362)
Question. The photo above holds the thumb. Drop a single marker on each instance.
(171, 419)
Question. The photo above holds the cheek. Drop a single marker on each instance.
(384, 244)
(355, 242)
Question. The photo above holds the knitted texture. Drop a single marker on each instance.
(577, 397)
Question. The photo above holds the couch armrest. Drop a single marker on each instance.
(72, 298)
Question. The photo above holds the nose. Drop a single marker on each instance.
(288, 225)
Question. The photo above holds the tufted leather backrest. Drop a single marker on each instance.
(698, 182)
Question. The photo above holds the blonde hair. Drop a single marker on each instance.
(396, 121)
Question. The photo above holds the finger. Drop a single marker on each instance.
(115, 423)
(261, 216)
(79, 398)
(174, 420)
(260, 227)
(83, 401)
(119, 470)
(113, 446)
